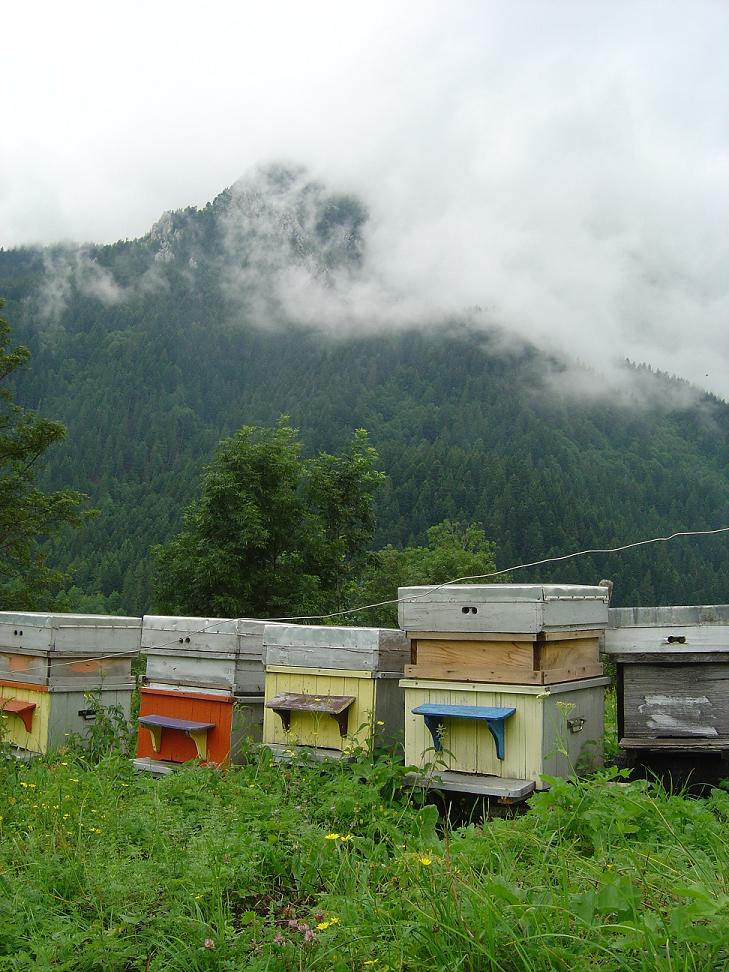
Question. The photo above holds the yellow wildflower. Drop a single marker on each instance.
(323, 925)
(379, 722)
(425, 861)
(346, 837)
(332, 837)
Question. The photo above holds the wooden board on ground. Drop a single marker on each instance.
(501, 788)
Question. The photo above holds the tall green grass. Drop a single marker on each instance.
(336, 867)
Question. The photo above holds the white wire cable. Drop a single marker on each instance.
(429, 590)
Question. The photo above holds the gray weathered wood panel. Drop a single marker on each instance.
(75, 634)
(674, 701)
(584, 747)
(355, 649)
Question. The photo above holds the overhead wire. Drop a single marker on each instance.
(429, 589)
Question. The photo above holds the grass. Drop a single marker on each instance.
(335, 867)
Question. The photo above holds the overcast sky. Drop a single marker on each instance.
(563, 164)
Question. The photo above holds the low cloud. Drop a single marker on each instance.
(559, 166)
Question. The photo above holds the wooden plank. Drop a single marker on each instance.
(669, 657)
(328, 672)
(676, 700)
(567, 653)
(474, 673)
(485, 654)
(676, 745)
(317, 647)
(516, 676)
(557, 675)
(502, 788)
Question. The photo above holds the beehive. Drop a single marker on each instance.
(511, 633)
(333, 689)
(554, 729)
(503, 677)
(207, 671)
(672, 668)
(50, 663)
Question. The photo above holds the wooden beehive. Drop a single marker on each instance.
(332, 689)
(50, 663)
(186, 704)
(552, 730)
(504, 633)
(672, 668)
(492, 668)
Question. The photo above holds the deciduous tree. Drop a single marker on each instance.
(272, 534)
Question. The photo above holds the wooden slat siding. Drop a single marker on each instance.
(64, 717)
(24, 667)
(470, 744)
(491, 636)
(585, 748)
(313, 729)
(670, 657)
(569, 653)
(247, 724)
(389, 701)
(523, 661)
(699, 638)
(176, 746)
(678, 744)
(506, 676)
(646, 716)
(35, 741)
(517, 653)
(211, 670)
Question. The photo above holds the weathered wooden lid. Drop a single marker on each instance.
(678, 631)
(649, 617)
(35, 630)
(503, 607)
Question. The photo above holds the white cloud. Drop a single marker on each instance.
(562, 164)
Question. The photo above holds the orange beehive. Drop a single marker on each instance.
(162, 740)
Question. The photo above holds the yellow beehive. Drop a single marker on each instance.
(318, 729)
(333, 689)
(555, 729)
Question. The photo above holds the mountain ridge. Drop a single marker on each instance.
(150, 358)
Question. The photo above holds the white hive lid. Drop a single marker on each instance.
(502, 607)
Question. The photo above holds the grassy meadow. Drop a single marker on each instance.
(337, 867)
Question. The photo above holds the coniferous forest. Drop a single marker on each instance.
(152, 350)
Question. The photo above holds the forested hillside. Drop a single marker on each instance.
(151, 350)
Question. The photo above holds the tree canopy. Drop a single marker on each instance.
(27, 514)
(272, 533)
(453, 550)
